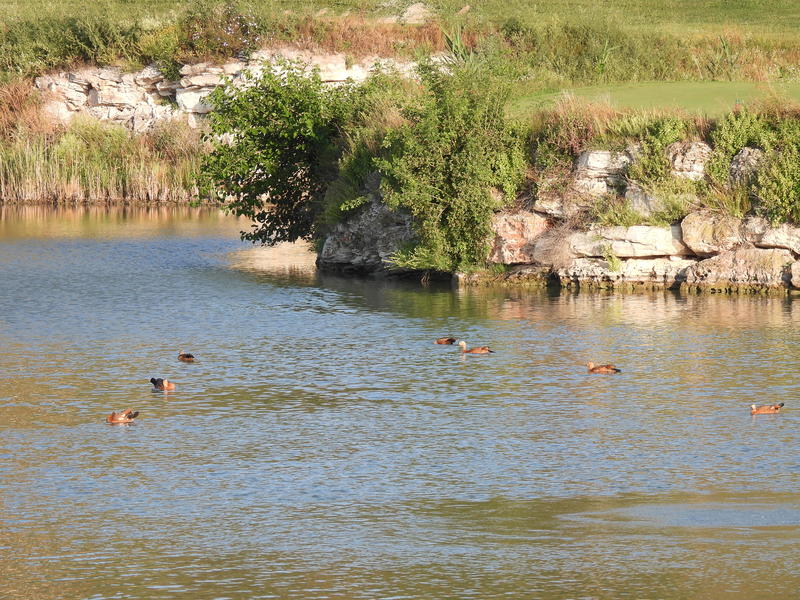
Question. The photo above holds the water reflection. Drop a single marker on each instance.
(323, 447)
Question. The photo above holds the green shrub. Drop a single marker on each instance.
(739, 128)
(442, 166)
(651, 164)
(777, 186)
(275, 149)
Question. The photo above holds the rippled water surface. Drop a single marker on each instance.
(323, 447)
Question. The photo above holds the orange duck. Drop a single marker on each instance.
(186, 357)
(765, 409)
(476, 350)
(446, 340)
(125, 416)
(602, 369)
(162, 385)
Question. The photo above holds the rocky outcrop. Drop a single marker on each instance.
(514, 236)
(707, 233)
(366, 242)
(599, 172)
(142, 99)
(742, 270)
(646, 273)
(629, 242)
(760, 233)
(640, 201)
(688, 159)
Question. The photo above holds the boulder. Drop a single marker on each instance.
(688, 159)
(191, 100)
(599, 172)
(515, 234)
(366, 242)
(760, 233)
(795, 274)
(742, 270)
(629, 242)
(744, 165)
(707, 233)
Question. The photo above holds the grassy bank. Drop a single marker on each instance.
(548, 45)
(90, 161)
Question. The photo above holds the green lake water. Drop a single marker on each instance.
(322, 447)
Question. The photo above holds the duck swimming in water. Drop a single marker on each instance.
(445, 340)
(125, 416)
(186, 357)
(162, 385)
(602, 369)
(765, 409)
(476, 350)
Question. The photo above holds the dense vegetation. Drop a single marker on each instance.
(296, 156)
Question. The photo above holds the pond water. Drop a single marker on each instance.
(323, 447)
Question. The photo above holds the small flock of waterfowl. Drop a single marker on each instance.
(607, 369)
(159, 384)
(165, 385)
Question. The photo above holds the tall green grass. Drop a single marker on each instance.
(90, 161)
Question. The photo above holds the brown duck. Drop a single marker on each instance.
(602, 369)
(186, 357)
(476, 350)
(765, 409)
(125, 416)
(445, 340)
(162, 385)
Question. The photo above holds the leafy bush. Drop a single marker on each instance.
(737, 129)
(275, 149)
(442, 166)
(651, 164)
(778, 186)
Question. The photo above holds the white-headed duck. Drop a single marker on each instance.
(445, 340)
(476, 350)
(162, 385)
(186, 357)
(765, 409)
(602, 369)
(125, 416)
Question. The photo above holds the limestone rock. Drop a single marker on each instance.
(744, 165)
(795, 274)
(688, 159)
(759, 232)
(191, 100)
(599, 172)
(641, 201)
(629, 242)
(515, 235)
(744, 269)
(148, 76)
(365, 242)
(201, 80)
(656, 272)
(708, 233)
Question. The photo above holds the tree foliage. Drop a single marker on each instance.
(275, 149)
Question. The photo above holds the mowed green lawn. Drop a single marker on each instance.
(712, 98)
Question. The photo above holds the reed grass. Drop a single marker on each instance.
(89, 161)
